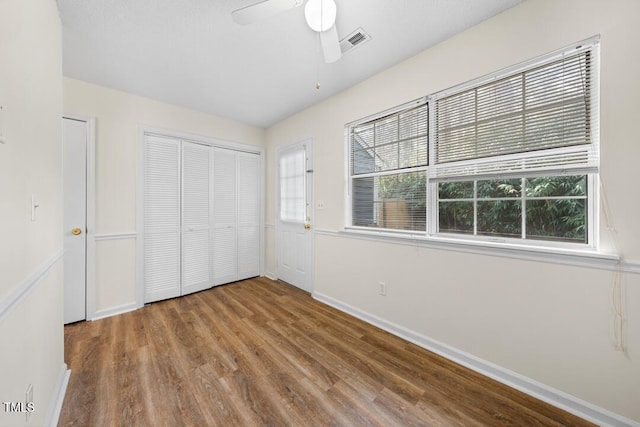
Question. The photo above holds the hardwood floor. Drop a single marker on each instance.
(260, 352)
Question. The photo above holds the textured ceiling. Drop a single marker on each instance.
(191, 53)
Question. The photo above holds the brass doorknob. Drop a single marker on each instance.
(307, 226)
(76, 231)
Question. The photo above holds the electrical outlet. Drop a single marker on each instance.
(382, 288)
(320, 206)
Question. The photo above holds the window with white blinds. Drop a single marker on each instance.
(512, 155)
(388, 159)
(537, 120)
(515, 156)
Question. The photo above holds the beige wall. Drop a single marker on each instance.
(30, 163)
(548, 322)
(118, 115)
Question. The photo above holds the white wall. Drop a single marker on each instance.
(118, 115)
(30, 163)
(548, 322)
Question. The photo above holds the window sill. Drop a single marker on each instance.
(578, 257)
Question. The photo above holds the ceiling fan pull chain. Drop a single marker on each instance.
(318, 61)
(318, 44)
(318, 50)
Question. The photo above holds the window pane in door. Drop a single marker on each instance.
(292, 186)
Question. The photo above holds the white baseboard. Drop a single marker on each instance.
(124, 308)
(270, 275)
(55, 407)
(560, 399)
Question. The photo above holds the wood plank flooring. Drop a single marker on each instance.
(263, 353)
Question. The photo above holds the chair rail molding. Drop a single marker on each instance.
(115, 236)
(21, 291)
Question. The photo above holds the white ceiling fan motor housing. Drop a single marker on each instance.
(320, 14)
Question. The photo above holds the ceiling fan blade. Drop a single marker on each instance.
(262, 10)
(330, 45)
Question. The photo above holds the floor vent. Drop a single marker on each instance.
(354, 39)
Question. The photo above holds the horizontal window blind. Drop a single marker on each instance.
(396, 141)
(535, 121)
(392, 201)
(389, 155)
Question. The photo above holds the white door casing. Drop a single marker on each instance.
(294, 239)
(75, 138)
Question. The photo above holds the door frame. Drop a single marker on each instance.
(90, 249)
(310, 169)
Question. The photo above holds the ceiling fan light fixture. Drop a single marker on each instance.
(320, 14)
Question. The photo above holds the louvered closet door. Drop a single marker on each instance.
(196, 252)
(225, 268)
(161, 218)
(248, 215)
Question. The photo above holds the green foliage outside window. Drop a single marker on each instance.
(554, 207)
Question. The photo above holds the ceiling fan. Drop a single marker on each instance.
(320, 16)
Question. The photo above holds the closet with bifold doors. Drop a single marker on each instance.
(201, 215)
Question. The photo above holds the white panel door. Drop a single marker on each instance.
(75, 214)
(248, 172)
(295, 196)
(161, 218)
(225, 249)
(197, 260)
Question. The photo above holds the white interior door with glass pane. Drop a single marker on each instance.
(295, 201)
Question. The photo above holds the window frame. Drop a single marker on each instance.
(350, 176)
(432, 234)
(590, 219)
